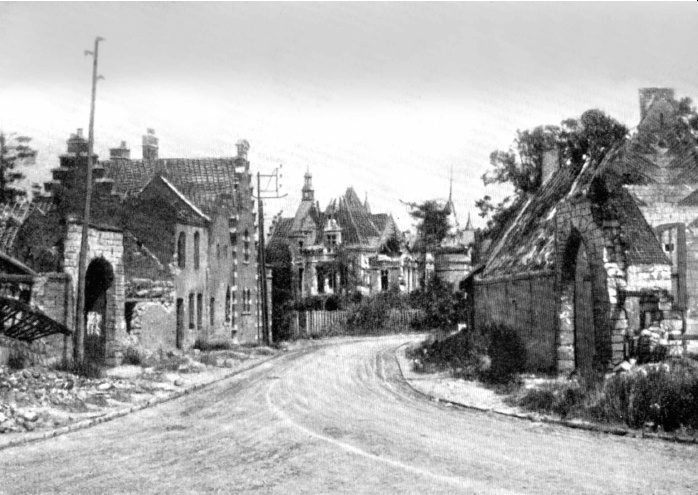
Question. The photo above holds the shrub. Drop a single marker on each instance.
(494, 356)
(663, 396)
(133, 356)
(213, 345)
(443, 308)
(369, 315)
(86, 369)
(507, 353)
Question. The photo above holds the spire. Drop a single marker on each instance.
(366, 205)
(450, 187)
(308, 191)
(469, 225)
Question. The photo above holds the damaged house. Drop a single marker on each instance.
(601, 252)
(343, 249)
(171, 249)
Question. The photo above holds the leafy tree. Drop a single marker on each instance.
(432, 222)
(14, 151)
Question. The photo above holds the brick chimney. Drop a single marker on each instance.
(120, 153)
(150, 145)
(77, 143)
(650, 95)
(243, 147)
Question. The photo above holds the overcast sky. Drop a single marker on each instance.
(385, 97)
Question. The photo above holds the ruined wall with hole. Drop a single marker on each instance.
(108, 244)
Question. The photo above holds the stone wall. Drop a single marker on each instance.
(52, 295)
(107, 244)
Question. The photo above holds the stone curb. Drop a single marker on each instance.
(87, 423)
(545, 419)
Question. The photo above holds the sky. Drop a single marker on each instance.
(390, 98)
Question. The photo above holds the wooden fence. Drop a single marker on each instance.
(308, 324)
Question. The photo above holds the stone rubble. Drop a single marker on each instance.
(40, 397)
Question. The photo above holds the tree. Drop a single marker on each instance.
(577, 140)
(14, 151)
(432, 222)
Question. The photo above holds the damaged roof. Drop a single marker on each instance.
(527, 243)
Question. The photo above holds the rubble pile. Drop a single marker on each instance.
(34, 397)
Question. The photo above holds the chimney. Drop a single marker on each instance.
(650, 95)
(120, 153)
(243, 147)
(150, 145)
(77, 143)
(551, 162)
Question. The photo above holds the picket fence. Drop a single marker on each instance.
(309, 324)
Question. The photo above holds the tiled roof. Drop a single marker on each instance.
(13, 215)
(200, 180)
(528, 242)
(641, 246)
(277, 247)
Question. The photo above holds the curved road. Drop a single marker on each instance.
(338, 419)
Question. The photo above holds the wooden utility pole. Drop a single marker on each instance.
(263, 266)
(79, 350)
(273, 194)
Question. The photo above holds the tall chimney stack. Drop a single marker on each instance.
(150, 145)
(120, 153)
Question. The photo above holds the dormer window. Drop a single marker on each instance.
(332, 239)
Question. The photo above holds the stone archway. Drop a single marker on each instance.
(99, 309)
(584, 340)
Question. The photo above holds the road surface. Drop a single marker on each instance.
(338, 419)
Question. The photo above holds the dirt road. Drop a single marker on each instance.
(338, 420)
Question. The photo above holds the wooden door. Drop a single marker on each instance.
(584, 334)
(180, 323)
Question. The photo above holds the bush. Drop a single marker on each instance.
(663, 396)
(133, 356)
(86, 369)
(494, 356)
(213, 345)
(443, 308)
(507, 353)
(369, 315)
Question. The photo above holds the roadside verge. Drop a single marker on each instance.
(442, 389)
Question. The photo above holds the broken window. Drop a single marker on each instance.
(181, 250)
(246, 247)
(212, 312)
(197, 242)
(192, 311)
(199, 311)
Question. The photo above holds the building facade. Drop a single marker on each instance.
(344, 249)
(171, 247)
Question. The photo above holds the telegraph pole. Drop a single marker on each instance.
(79, 351)
(262, 250)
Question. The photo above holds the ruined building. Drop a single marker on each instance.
(343, 249)
(602, 251)
(451, 260)
(171, 255)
